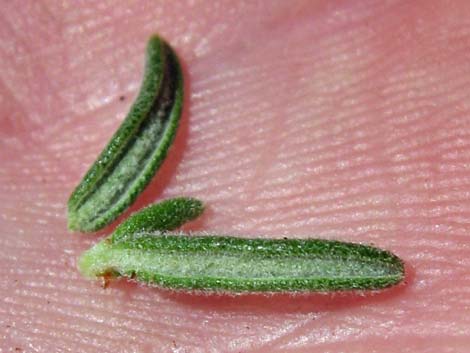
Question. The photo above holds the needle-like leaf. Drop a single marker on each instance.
(137, 149)
(163, 216)
(221, 263)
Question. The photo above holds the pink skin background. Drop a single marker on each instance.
(336, 119)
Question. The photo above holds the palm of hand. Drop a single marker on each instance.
(341, 121)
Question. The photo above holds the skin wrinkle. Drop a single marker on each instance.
(388, 76)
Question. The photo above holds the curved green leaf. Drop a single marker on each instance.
(137, 149)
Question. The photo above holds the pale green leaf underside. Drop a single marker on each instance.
(137, 149)
(218, 263)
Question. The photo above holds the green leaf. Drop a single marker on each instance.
(221, 263)
(163, 216)
(137, 149)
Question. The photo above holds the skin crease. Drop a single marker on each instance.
(336, 119)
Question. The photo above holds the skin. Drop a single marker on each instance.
(339, 119)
